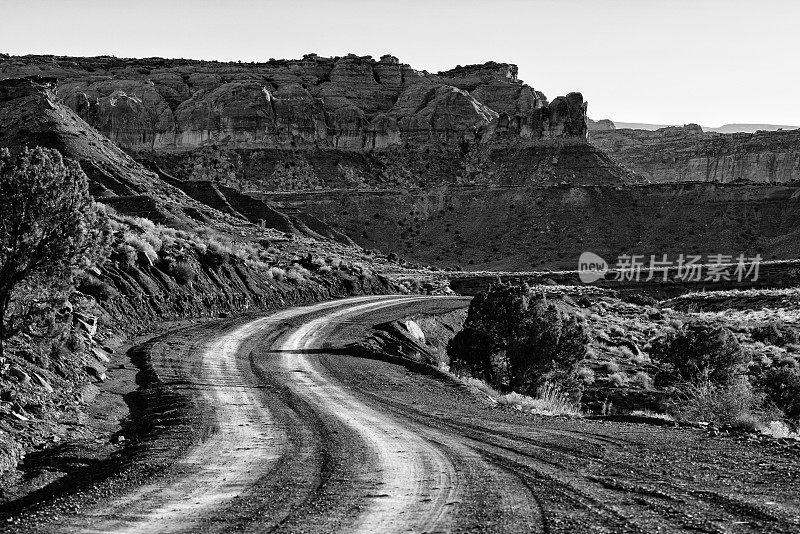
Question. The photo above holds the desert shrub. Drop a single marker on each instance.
(618, 379)
(642, 379)
(611, 367)
(776, 333)
(639, 299)
(182, 272)
(622, 352)
(518, 341)
(154, 240)
(698, 352)
(93, 286)
(735, 403)
(139, 244)
(49, 230)
(278, 273)
(782, 387)
(586, 375)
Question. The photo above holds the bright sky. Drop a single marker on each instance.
(657, 61)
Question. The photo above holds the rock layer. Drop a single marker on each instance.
(352, 102)
(682, 154)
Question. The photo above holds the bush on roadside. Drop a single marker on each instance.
(518, 341)
(782, 387)
(736, 404)
(698, 352)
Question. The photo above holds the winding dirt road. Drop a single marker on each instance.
(268, 425)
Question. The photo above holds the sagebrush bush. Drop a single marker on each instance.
(618, 379)
(735, 403)
(139, 244)
(698, 352)
(182, 272)
(278, 274)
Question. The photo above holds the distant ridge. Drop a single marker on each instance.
(725, 128)
(748, 128)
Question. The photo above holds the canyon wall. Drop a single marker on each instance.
(683, 154)
(352, 102)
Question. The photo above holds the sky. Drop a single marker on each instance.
(709, 62)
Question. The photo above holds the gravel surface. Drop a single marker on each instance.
(268, 424)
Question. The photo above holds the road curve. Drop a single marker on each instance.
(412, 481)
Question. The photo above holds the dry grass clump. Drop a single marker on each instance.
(779, 429)
(549, 399)
(653, 415)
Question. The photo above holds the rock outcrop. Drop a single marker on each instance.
(32, 115)
(687, 153)
(601, 126)
(352, 102)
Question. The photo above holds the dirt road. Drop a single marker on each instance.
(267, 425)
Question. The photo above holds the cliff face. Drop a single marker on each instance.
(353, 103)
(681, 154)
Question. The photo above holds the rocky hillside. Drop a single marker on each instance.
(687, 153)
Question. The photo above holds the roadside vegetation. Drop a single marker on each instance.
(607, 355)
(524, 345)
